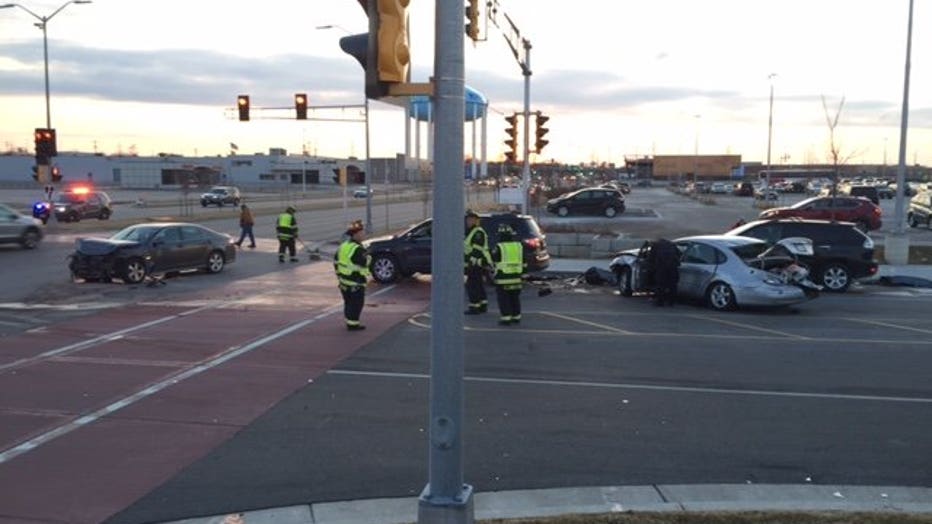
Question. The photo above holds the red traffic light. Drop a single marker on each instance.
(242, 104)
(300, 106)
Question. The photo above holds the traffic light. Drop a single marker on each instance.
(382, 52)
(56, 174)
(300, 105)
(540, 131)
(512, 142)
(472, 14)
(242, 104)
(46, 145)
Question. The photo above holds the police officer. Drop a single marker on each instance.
(351, 263)
(664, 261)
(477, 259)
(287, 230)
(508, 257)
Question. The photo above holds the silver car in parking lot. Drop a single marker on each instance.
(713, 269)
(18, 228)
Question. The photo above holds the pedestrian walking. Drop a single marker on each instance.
(351, 264)
(246, 221)
(287, 230)
(664, 263)
(477, 261)
(508, 257)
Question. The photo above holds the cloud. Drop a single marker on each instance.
(180, 76)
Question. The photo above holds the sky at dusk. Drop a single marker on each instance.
(617, 77)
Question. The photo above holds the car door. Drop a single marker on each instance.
(415, 249)
(697, 267)
(195, 246)
(9, 229)
(165, 249)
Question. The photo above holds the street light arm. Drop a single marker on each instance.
(66, 4)
(24, 8)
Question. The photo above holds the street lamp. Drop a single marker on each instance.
(769, 130)
(696, 153)
(43, 25)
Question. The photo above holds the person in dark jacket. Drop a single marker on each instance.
(664, 263)
(287, 231)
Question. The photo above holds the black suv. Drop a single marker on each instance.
(409, 252)
(842, 252)
(588, 201)
(220, 195)
(74, 205)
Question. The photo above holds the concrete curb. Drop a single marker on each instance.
(607, 499)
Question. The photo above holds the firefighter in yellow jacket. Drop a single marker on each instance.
(351, 263)
(508, 257)
(477, 260)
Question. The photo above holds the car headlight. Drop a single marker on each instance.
(60, 209)
(773, 281)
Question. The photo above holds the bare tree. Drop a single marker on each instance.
(834, 147)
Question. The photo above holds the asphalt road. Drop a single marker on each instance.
(593, 389)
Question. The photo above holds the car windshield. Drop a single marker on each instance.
(135, 233)
(70, 198)
(218, 191)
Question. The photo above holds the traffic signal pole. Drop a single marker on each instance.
(526, 168)
(446, 499)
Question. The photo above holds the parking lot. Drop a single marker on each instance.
(595, 389)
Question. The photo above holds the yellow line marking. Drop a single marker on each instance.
(886, 324)
(748, 326)
(586, 322)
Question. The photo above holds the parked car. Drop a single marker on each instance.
(624, 187)
(18, 228)
(884, 191)
(860, 211)
(920, 208)
(718, 188)
(714, 269)
(360, 192)
(869, 192)
(744, 189)
(220, 195)
(145, 249)
(588, 201)
(765, 193)
(841, 252)
(80, 203)
(409, 252)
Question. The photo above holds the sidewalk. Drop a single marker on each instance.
(609, 499)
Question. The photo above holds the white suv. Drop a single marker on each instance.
(19, 228)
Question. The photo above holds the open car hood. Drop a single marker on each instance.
(101, 246)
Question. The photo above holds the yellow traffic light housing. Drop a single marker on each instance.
(393, 53)
(540, 131)
(512, 131)
(472, 15)
(242, 104)
(300, 106)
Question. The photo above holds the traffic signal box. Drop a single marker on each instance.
(46, 145)
(472, 17)
(242, 104)
(300, 106)
(511, 155)
(540, 131)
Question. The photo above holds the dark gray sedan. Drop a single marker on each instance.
(146, 249)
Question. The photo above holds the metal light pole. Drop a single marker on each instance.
(696, 153)
(769, 131)
(43, 25)
(901, 167)
(526, 168)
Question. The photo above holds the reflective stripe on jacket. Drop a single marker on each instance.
(349, 271)
(287, 228)
(476, 248)
(510, 266)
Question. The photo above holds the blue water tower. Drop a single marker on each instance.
(476, 105)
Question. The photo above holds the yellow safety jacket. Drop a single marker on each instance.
(510, 265)
(476, 248)
(287, 228)
(349, 271)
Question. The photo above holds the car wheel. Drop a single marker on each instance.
(203, 203)
(385, 269)
(104, 214)
(73, 217)
(624, 281)
(563, 211)
(45, 220)
(836, 277)
(215, 262)
(720, 297)
(30, 239)
(135, 271)
(610, 212)
(913, 221)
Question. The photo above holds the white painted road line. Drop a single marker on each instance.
(646, 387)
(226, 356)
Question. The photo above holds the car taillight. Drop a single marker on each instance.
(533, 243)
(878, 211)
(873, 269)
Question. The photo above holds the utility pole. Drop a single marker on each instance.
(769, 131)
(897, 244)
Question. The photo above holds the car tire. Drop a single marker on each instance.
(623, 274)
(134, 272)
(385, 269)
(104, 214)
(611, 212)
(30, 239)
(835, 277)
(563, 211)
(72, 217)
(720, 297)
(215, 261)
(912, 220)
(203, 203)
